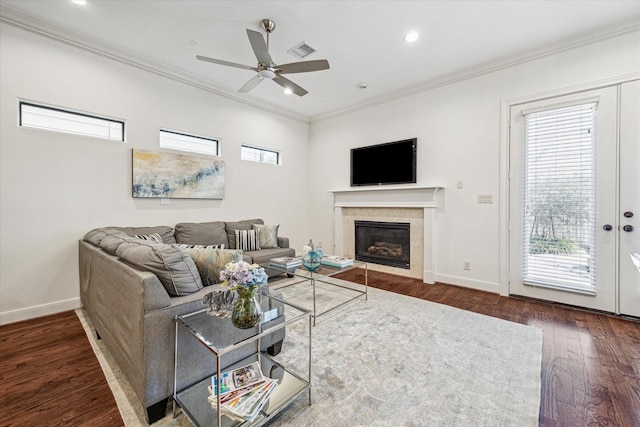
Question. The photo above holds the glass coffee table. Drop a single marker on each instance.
(319, 290)
(227, 348)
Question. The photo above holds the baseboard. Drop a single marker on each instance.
(469, 283)
(39, 310)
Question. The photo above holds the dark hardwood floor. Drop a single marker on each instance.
(49, 375)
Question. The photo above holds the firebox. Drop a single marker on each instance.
(385, 243)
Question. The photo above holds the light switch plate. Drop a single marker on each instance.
(485, 198)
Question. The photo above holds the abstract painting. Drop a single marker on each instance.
(176, 176)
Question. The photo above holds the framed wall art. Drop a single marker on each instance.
(165, 175)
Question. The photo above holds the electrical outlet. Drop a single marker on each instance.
(466, 265)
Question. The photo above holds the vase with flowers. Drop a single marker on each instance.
(246, 279)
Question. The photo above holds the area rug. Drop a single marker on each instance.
(397, 360)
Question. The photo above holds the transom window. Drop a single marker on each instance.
(61, 120)
(191, 143)
(260, 155)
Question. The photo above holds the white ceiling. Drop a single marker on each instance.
(362, 40)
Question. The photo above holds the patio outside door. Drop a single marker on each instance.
(574, 173)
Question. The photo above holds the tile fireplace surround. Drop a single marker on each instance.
(416, 205)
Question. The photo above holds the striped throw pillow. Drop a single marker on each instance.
(184, 246)
(248, 240)
(155, 237)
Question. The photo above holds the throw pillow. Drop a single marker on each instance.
(155, 237)
(210, 262)
(175, 269)
(248, 240)
(164, 231)
(183, 246)
(268, 235)
(231, 228)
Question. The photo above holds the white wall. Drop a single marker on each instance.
(459, 139)
(56, 187)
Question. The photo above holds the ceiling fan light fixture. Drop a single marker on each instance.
(267, 74)
(288, 91)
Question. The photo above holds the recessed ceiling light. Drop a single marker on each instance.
(288, 91)
(411, 37)
(80, 2)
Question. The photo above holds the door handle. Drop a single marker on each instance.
(628, 228)
(607, 227)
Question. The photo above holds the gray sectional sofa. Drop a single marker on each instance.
(132, 287)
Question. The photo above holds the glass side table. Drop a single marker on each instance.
(226, 347)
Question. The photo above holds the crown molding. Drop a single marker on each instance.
(608, 32)
(17, 19)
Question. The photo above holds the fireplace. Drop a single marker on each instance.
(385, 243)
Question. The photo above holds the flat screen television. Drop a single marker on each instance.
(390, 163)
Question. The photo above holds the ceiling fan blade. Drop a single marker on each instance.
(227, 63)
(255, 81)
(303, 67)
(259, 47)
(288, 84)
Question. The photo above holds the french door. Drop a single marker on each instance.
(573, 175)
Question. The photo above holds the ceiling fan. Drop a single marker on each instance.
(266, 68)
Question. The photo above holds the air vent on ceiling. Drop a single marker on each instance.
(301, 50)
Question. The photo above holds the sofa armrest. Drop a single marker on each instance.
(283, 242)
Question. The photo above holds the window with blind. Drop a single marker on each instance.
(260, 155)
(559, 198)
(187, 142)
(60, 120)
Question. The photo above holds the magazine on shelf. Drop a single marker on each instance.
(286, 262)
(236, 379)
(243, 391)
(336, 261)
(249, 405)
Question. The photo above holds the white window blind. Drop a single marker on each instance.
(559, 198)
(59, 120)
(191, 143)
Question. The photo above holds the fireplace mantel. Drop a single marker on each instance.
(394, 197)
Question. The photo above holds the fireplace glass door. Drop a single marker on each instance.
(385, 243)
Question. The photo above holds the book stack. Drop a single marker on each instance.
(243, 391)
(336, 261)
(286, 262)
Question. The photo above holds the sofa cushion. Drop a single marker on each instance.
(268, 235)
(174, 268)
(96, 235)
(265, 255)
(164, 231)
(203, 233)
(211, 261)
(112, 242)
(231, 228)
(248, 240)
